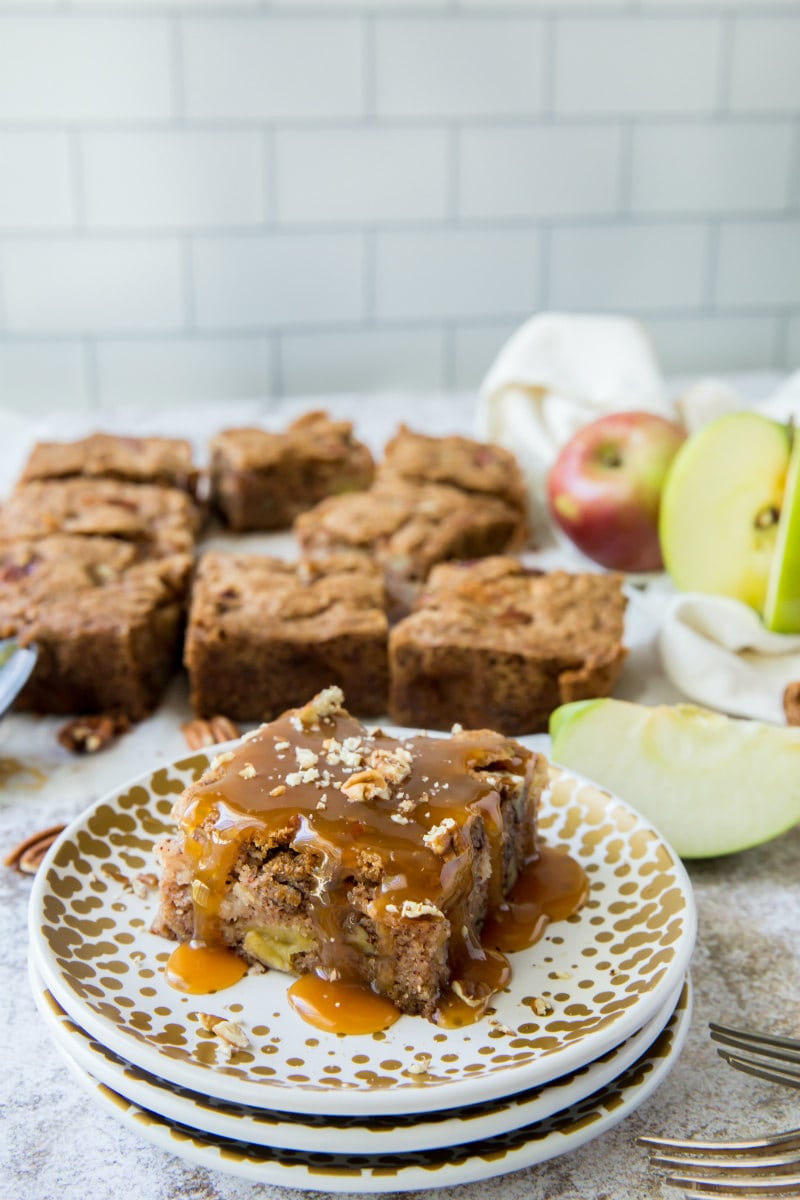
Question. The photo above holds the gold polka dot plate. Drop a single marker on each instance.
(444, 1166)
(590, 983)
(342, 1135)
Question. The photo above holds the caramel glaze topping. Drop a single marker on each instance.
(394, 829)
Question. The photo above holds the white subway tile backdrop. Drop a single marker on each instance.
(201, 199)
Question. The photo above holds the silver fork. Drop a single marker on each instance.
(16, 664)
(755, 1167)
(768, 1166)
(747, 1051)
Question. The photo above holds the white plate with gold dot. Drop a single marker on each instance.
(342, 1135)
(603, 973)
(445, 1166)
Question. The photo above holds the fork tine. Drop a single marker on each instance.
(784, 1075)
(728, 1162)
(738, 1146)
(760, 1043)
(741, 1185)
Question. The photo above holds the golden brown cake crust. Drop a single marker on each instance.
(262, 480)
(159, 520)
(264, 634)
(408, 528)
(478, 467)
(494, 644)
(109, 456)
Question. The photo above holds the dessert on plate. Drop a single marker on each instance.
(318, 846)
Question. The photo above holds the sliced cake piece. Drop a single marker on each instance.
(318, 846)
(107, 626)
(492, 643)
(262, 480)
(265, 634)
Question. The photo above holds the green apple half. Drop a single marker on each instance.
(710, 784)
(721, 505)
(782, 603)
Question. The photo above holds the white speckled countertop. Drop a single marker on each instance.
(746, 970)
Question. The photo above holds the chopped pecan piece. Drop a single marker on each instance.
(229, 1031)
(27, 856)
(200, 733)
(791, 703)
(87, 735)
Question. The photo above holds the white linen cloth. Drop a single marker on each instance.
(716, 651)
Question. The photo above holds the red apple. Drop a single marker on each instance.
(605, 488)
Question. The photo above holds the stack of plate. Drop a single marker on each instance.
(592, 1021)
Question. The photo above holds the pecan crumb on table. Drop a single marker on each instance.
(28, 855)
(200, 733)
(791, 703)
(87, 735)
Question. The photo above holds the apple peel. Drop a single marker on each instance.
(711, 784)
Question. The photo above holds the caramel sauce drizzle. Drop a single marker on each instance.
(411, 818)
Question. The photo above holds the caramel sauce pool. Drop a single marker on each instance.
(550, 888)
(199, 969)
(340, 1007)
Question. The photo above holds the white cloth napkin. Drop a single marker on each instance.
(716, 651)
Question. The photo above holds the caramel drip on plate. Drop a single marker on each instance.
(392, 830)
(340, 1007)
(199, 969)
(551, 887)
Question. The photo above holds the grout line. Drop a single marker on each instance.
(543, 288)
(277, 380)
(320, 122)
(177, 85)
(188, 284)
(711, 266)
(449, 356)
(725, 77)
(780, 348)
(490, 225)
(550, 27)
(793, 180)
(270, 355)
(369, 80)
(269, 152)
(625, 176)
(3, 313)
(370, 284)
(91, 372)
(453, 138)
(77, 178)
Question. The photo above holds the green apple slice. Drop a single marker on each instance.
(721, 504)
(711, 784)
(782, 605)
